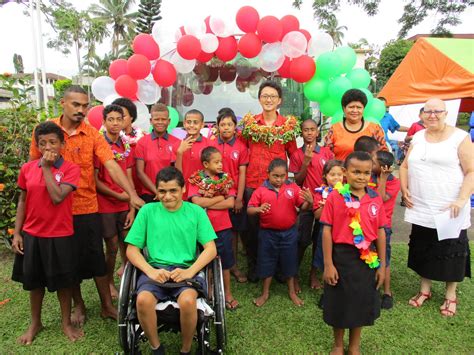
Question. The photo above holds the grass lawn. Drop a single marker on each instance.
(278, 327)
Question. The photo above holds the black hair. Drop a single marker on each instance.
(329, 165)
(422, 109)
(194, 112)
(207, 152)
(224, 113)
(310, 120)
(111, 108)
(354, 95)
(129, 105)
(382, 98)
(366, 144)
(272, 84)
(277, 163)
(48, 127)
(74, 89)
(358, 155)
(169, 174)
(385, 158)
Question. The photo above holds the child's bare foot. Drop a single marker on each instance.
(113, 291)
(72, 333)
(78, 316)
(120, 270)
(109, 312)
(297, 286)
(27, 337)
(314, 282)
(260, 301)
(337, 350)
(353, 351)
(239, 276)
(296, 300)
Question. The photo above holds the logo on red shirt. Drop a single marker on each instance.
(289, 193)
(58, 176)
(373, 210)
(169, 147)
(234, 155)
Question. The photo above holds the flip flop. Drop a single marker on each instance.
(232, 304)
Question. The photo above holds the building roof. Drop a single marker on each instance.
(50, 76)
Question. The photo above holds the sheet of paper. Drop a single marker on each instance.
(447, 227)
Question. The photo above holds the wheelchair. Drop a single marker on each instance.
(210, 329)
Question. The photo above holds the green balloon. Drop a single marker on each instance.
(329, 106)
(174, 118)
(360, 78)
(371, 119)
(370, 96)
(315, 89)
(328, 65)
(376, 109)
(338, 87)
(348, 58)
(337, 117)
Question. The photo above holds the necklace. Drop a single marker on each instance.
(209, 187)
(348, 130)
(269, 134)
(118, 156)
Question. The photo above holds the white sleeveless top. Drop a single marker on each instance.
(435, 177)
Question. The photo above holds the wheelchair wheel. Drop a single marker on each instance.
(126, 305)
(219, 305)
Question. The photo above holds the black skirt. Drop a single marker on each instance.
(446, 260)
(354, 302)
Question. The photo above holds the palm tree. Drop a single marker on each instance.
(95, 66)
(331, 26)
(116, 13)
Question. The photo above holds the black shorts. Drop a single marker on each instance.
(224, 248)
(88, 246)
(239, 220)
(47, 262)
(305, 229)
(112, 224)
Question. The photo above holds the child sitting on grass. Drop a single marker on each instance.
(275, 202)
(43, 237)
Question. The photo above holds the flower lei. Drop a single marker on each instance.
(269, 135)
(118, 156)
(324, 191)
(208, 187)
(370, 257)
(135, 135)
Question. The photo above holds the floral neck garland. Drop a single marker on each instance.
(135, 135)
(118, 156)
(324, 191)
(208, 187)
(269, 134)
(370, 257)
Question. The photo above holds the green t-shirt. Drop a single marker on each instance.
(170, 236)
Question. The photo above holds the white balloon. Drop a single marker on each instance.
(196, 29)
(244, 68)
(102, 87)
(178, 34)
(143, 116)
(182, 65)
(271, 57)
(158, 32)
(253, 91)
(218, 26)
(320, 43)
(109, 99)
(209, 43)
(294, 44)
(148, 92)
(166, 50)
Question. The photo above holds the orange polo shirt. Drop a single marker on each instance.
(81, 148)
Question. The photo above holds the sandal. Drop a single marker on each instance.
(415, 301)
(232, 304)
(445, 311)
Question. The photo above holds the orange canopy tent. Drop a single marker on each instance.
(434, 67)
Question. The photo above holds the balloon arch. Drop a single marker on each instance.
(274, 45)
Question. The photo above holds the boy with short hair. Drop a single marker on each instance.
(367, 144)
(213, 190)
(170, 230)
(115, 214)
(307, 164)
(43, 237)
(155, 151)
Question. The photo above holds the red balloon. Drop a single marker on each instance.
(126, 86)
(118, 67)
(164, 73)
(228, 73)
(204, 57)
(188, 47)
(227, 49)
(269, 29)
(250, 45)
(284, 70)
(94, 116)
(306, 34)
(247, 19)
(302, 68)
(289, 23)
(138, 66)
(145, 44)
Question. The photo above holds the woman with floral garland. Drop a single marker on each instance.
(268, 135)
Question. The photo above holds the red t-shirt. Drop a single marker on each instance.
(42, 217)
(282, 214)
(372, 216)
(108, 204)
(415, 127)
(220, 219)
(314, 176)
(260, 154)
(192, 159)
(157, 153)
(133, 138)
(234, 155)
(392, 188)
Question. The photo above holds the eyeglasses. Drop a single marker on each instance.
(437, 113)
(271, 97)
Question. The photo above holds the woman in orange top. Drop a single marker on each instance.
(342, 135)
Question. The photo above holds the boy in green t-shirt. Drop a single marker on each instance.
(170, 230)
